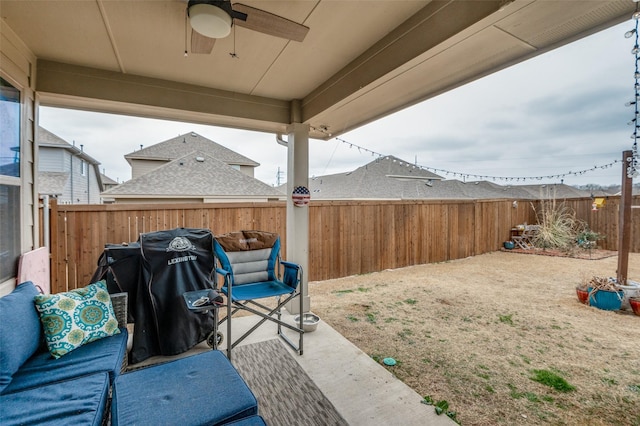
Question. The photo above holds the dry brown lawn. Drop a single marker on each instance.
(473, 331)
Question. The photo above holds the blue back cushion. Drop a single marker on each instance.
(20, 330)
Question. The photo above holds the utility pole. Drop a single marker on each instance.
(279, 174)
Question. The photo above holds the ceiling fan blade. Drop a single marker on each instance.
(200, 43)
(268, 23)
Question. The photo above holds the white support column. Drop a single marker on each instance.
(298, 217)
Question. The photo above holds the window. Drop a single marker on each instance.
(83, 167)
(9, 231)
(9, 130)
(9, 180)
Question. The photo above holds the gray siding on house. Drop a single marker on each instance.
(140, 167)
(82, 186)
(51, 160)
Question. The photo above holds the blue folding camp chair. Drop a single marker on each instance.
(250, 264)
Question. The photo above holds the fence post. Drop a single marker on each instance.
(624, 223)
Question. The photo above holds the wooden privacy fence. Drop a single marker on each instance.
(345, 237)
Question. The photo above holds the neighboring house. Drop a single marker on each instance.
(107, 182)
(193, 178)
(154, 156)
(391, 178)
(66, 172)
(384, 178)
(528, 192)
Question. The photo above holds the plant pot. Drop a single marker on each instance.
(635, 305)
(583, 295)
(606, 300)
(632, 289)
(509, 245)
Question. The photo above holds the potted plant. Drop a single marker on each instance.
(635, 304)
(605, 294)
(582, 291)
(588, 239)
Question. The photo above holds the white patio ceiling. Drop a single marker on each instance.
(360, 61)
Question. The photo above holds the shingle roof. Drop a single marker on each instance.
(52, 183)
(386, 177)
(543, 191)
(195, 174)
(106, 180)
(177, 147)
(45, 137)
(48, 139)
(392, 178)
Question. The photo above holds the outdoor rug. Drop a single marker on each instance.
(286, 394)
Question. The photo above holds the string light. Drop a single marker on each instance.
(633, 168)
(466, 176)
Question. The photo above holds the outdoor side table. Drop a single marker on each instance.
(203, 301)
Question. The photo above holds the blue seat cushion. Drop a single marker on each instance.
(248, 421)
(104, 355)
(80, 401)
(203, 389)
(21, 331)
(259, 290)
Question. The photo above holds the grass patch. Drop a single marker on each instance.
(410, 301)
(553, 380)
(352, 318)
(339, 292)
(506, 319)
(371, 318)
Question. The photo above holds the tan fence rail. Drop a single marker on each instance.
(345, 237)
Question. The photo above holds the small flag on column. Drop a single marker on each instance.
(300, 196)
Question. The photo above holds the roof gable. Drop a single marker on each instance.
(195, 174)
(181, 145)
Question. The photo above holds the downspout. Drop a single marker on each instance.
(88, 185)
(280, 140)
(71, 173)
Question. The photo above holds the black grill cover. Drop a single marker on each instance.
(155, 271)
(120, 265)
(173, 262)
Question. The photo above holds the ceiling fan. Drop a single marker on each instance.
(212, 19)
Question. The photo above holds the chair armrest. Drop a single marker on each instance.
(222, 271)
(292, 274)
(119, 303)
(289, 264)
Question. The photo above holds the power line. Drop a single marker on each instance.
(466, 176)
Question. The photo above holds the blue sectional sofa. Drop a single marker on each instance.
(36, 388)
(76, 388)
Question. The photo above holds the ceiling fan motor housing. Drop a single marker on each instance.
(210, 18)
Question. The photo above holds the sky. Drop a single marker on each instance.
(551, 117)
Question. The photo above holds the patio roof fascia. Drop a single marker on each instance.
(77, 87)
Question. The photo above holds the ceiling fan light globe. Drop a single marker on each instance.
(210, 20)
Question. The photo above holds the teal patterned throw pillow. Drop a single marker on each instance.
(77, 317)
